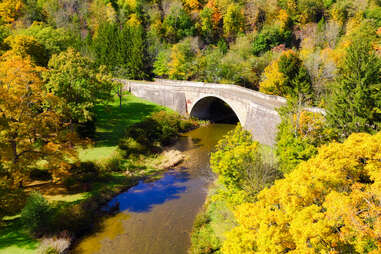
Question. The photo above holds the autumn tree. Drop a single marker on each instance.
(239, 164)
(78, 81)
(28, 46)
(234, 21)
(10, 10)
(33, 132)
(181, 57)
(288, 77)
(329, 204)
(355, 104)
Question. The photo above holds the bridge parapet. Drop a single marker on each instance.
(256, 111)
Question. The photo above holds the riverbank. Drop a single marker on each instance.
(211, 224)
(87, 199)
(216, 219)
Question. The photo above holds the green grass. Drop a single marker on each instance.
(211, 225)
(111, 123)
(15, 239)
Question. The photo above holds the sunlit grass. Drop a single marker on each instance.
(112, 121)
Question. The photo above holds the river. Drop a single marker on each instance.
(157, 217)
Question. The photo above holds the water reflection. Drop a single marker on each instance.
(161, 213)
(142, 197)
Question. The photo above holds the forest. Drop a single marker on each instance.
(321, 193)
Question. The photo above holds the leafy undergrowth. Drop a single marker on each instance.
(14, 238)
(210, 225)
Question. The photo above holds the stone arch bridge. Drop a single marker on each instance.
(255, 111)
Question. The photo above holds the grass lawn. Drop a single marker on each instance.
(110, 125)
(15, 240)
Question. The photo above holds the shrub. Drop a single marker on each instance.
(55, 245)
(160, 129)
(83, 172)
(113, 164)
(37, 214)
(240, 166)
(11, 200)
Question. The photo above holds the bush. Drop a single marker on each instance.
(83, 172)
(160, 129)
(55, 245)
(113, 164)
(241, 166)
(11, 200)
(37, 214)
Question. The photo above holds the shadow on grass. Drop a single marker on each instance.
(14, 234)
(112, 121)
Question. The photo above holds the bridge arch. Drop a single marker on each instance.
(216, 109)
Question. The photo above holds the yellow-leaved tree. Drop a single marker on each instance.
(32, 131)
(328, 204)
(10, 10)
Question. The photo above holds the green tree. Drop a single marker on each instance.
(355, 103)
(79, 82)
(177, 25)
(269, 38)
(54, 40)
(121, 49)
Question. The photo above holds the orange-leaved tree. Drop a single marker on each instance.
(32, 132)
(328, 204)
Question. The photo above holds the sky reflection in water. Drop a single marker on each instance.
(142, 197)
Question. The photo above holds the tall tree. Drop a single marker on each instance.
(79, 82)
(122, 49)
(32, 129)
(355, 104)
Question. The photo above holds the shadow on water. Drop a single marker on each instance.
(142, 197)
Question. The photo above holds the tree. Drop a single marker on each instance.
(121, 49)
(234, 21)
(355, 104)
(238, 162)
(269, 38)
(299, 135)
(54, 40)
(79, 83)
(328, 204)
(180, 64)
(10, 10)
(33, 132)
(287, 77)
(177, 25)
(28, 46)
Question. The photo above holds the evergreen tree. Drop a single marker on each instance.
(355, 104)
(122, 49)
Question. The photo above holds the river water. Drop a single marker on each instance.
(157, 217)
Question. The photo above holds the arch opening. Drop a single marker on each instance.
(215, 110)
